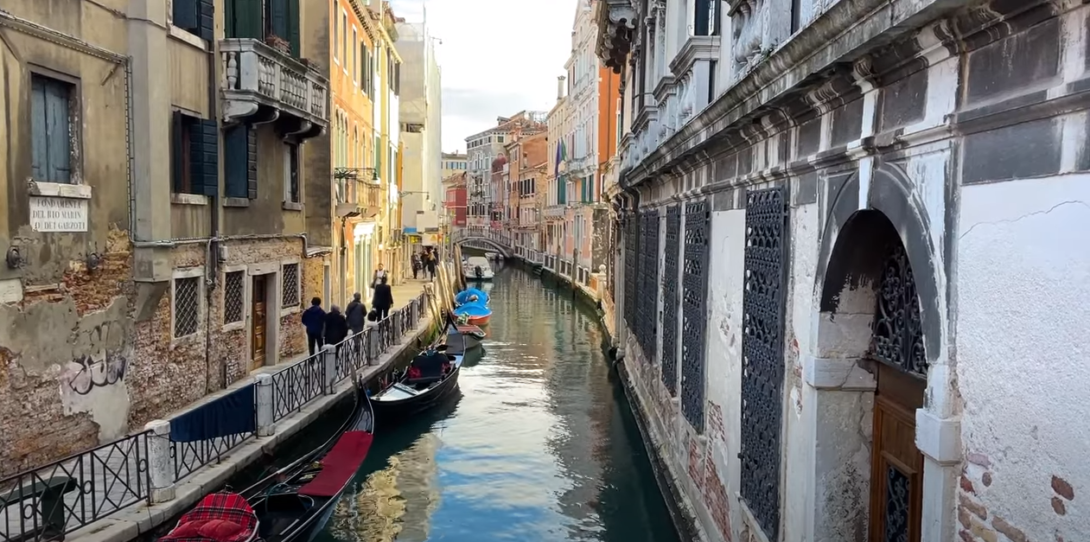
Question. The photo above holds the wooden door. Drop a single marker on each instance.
(257, 335)
(896, 464)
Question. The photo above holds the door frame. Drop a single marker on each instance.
(271, 270)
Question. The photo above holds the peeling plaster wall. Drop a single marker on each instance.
(1024, 307)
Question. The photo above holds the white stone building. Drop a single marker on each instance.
(861, 219)
(421, 129)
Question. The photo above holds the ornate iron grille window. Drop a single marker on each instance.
(694, 318)
(187, 306)
(898, 335)
(669, 300)
(290, 297)
(762, 356)
(897, 505)
(648, 283)
(234, 293)
(631, 262)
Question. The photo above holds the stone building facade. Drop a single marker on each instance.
(156, 249)
(860, 220)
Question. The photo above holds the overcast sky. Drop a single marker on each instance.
(498, 57)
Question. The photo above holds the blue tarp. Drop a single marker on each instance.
(463, 296)
(229, 415)
(473, 309)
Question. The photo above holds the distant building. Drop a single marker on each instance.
(482, 148)
(455, 199)
(452, 163)
(421, 117)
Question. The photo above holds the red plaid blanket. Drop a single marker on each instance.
(219, 517)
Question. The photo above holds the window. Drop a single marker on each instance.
(234, 294)
(355, 65)
(336, 33)
(499, 139)
(187, 306)
(291, 173)
(365, 68)
(344, 39)
(194, 16)
(240, 161)
(194, 155)
(52, 121)
(290, 285)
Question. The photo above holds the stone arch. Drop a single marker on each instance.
(499, 247)
(869, 215)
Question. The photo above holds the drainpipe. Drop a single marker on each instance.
(212, 248)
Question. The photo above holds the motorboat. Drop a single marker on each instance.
(474, 314)
(467, 296)
(477, 268)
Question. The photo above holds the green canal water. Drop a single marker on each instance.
(539, 445)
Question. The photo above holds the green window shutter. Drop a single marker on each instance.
(177, 151)
(378, 156)
(207, 20)
(185, 15)
(251, 162)
(293, 28)
(244, 19)
(204, 154)
(278, 18)
(235, 161)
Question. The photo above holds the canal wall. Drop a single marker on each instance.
(145, 521)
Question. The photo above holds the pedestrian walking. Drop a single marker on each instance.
(380, 273)
(431, 263)
(417, 264)
(336, 328)
(382, 300)
(356, 314)
(314, 322)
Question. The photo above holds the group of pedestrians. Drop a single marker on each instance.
(332, 327)
(426, 262)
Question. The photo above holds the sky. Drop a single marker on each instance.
(497, 57)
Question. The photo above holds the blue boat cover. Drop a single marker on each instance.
(463, 297)
(473, 309)
(229, 415)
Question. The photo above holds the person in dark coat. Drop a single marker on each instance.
(356, 314)
(430, 263)
(336, 327)
(314, 322)
(383, 299)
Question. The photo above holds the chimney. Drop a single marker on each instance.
(560, 87)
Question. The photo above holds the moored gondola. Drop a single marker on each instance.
(292, 504)
(430, 378)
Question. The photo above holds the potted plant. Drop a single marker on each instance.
(280, 44)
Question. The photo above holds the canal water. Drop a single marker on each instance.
(539, 446)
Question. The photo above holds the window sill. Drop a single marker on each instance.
(234, 326)
(236, 202)
(188, 199)
(289, 311)
(186, 37)
(60, 190)
(292, 206)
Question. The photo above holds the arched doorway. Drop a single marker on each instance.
(869, 299)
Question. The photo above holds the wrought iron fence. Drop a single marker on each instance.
(190, 456)
(297, 385)
(47, 502)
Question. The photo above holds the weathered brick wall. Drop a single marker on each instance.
(979, 523)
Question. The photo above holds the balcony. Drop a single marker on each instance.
(261, 82)
(358, 194)
(555, 211)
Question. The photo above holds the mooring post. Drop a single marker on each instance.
(266, 407)
(160, 465)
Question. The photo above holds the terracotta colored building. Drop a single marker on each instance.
(454, 202)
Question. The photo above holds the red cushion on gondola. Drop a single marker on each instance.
(212, 518)
(339, 465)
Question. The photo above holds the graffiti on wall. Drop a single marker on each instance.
(102, 364)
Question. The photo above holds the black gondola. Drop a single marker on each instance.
(292, 504)
(429, 379)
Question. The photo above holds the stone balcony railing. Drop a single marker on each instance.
(256, 76)
(555, 211)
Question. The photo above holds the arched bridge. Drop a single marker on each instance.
(484, 239)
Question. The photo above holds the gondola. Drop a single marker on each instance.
(429, 379)
(292, 504)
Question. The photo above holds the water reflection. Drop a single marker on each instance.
(539, 445)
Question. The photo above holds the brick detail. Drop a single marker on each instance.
(715, 498)
(976, 522)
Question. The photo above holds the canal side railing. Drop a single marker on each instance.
(50, 501)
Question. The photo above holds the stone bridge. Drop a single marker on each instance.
(483, 239)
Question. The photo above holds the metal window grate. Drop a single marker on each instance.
(763, 306)
(187, 306)
(694, 318)
(233, 294)
(670, 299)
(648, 283)
(290, 291)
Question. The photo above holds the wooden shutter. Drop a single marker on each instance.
(293, 28)
(177, 153)
(278, 18)
(244, 19)
(251, 163)
(186, 16)
(236, 161)
(204, 153)
(206, 10)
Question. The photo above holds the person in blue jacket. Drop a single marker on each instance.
(314, 321)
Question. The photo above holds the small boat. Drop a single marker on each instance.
(462, 338)
(478, 268)
(473, 314)
(430, 378)
(466, 296)
(292, 504)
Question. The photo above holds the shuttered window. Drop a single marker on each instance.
(195, 155)
(196, 17)
(240, 161)
(365, 68)
(52, 105)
